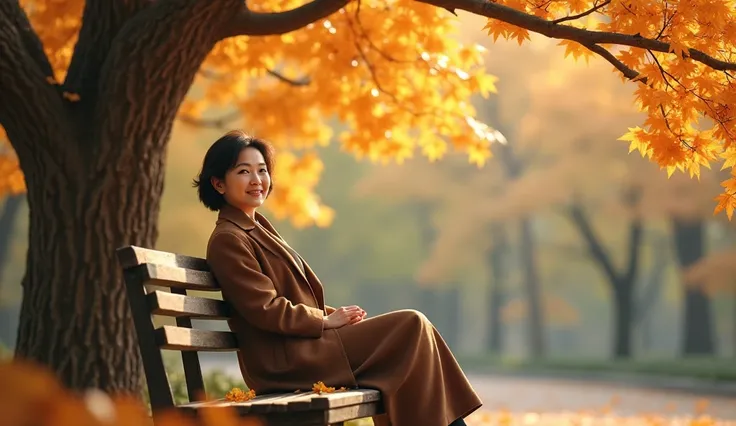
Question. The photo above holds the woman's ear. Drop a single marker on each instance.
(218, 185)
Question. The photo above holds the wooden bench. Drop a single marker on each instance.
(148, 273)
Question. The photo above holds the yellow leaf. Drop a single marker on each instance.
(71, 97)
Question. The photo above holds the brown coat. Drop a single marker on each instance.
(279, 323)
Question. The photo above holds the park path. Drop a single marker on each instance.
(541, 395)
(556, 395)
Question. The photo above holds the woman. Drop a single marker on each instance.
(297, 339)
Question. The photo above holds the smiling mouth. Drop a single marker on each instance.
(257, 193)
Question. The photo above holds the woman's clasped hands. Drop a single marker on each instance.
(344, 315)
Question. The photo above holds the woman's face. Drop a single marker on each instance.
(247, 183)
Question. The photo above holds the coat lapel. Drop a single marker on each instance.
(263, 237)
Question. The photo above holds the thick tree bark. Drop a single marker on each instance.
(496, 286)
(74, 315)
(621, 283)
(697, 322)
(94, 183)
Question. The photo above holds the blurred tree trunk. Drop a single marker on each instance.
(8, 221)
(697, 325)
(527, 247)
(621, 284)
(441, 305)
(651, 291)
(513, 169)
(496, 286)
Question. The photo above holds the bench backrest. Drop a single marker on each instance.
(145, 268)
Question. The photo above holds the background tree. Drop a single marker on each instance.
(88, 105)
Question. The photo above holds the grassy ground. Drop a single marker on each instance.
(711, 369)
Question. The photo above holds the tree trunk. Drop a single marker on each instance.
(94, 170)
(535, 310)
(621, 284)
(496, 285)
(623, 315)
(514, 169)
(74, 316)
(697, 325)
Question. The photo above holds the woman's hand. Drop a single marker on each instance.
(343, 316)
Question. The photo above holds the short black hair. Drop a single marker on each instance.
(221, 157)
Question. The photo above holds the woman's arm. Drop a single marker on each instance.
(253, 294)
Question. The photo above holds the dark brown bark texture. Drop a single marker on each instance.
(621, 282)
(94, 170)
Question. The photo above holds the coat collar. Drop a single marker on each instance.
(266, 238)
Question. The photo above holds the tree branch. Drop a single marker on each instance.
(247, 22)
(101, 22)
(31, 109)
(148, 71)
(560, 31)
(582, 14)
(214, 123)
(597, 251)
(13, 15)
(303, 81)
(605, 54)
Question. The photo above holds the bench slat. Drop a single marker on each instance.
(169, 276)
(336, 400)
(243, 407)
(130, 256)
(186, 339)
(282, 403)
(175, 305)
(294, 402)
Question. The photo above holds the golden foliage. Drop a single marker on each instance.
(398, 79)
(239, 395)
(393, 73)
(714, 273)
(321, 388)
(690, 107)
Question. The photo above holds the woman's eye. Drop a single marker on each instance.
(243, 171)
(264, 170)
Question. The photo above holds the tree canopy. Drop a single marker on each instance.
(392, 72)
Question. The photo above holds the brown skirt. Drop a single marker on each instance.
(402, 355)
